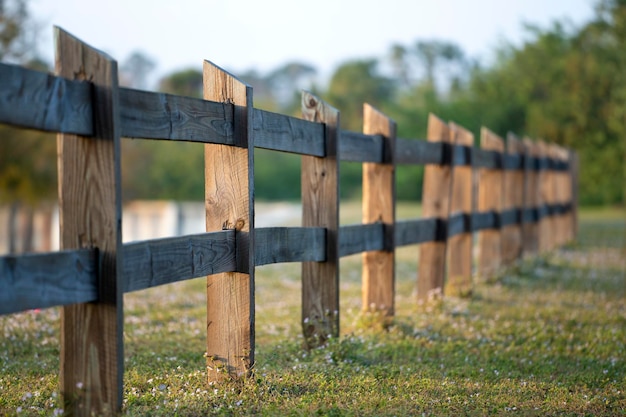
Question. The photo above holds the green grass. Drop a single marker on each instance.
(548, 338)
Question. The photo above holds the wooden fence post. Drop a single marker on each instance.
(435, 204)
(459, 279)
(490, 199)
(530, 227)
(320, 208)
(229, 193)
(513, 199)
(545, 193)
(92, 360)
(379, 200)
(573, 178)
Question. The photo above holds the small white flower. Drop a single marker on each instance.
(79, 385)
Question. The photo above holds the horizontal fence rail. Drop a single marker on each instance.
(525, 199)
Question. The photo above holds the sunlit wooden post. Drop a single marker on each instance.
(573, 177)
(459, 279)
(435, 204)
(490, 200)
(320, 208)
(229, 202)
(530, 227)
(545, 192)
(379, 200)
(92, 360)
(513, 200)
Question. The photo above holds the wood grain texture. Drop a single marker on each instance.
(513, 198)
(42, 101)
(419, 152)
(490, 187)
(90, 217)
(47, 280)
(151, 115)
(289, 244)
(573, 178)
(288, 134)
(320, 208)
(435, 204)
(530, 229)
(459, 279)
(229, 202)
(156, 262)
(360, 147)
(545, 197)
(379, 205)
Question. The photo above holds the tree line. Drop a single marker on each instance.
(564, 84)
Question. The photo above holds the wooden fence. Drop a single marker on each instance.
(525, 204)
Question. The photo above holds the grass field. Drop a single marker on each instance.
(548, 338)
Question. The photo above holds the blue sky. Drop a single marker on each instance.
(239, 35)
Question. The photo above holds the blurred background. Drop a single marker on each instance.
(547, 70)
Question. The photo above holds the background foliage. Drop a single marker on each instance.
(565, 84)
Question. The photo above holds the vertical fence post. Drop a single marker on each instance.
(92, 357)
(229, 202)
(530, 228)
(490, 199)
(459, 280)
(545, 186)
(573, 178)
(560, 190)
(320, 208)
(435, 204)
(379, 201)
(513, 199)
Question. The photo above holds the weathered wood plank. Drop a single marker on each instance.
(42, 101)
(485, 220)
(530, 227)
(490, 187)
(229, 202)
(411, 232)
(545, 196)
(156, 262)
(419, 152)
(435, 203)
(360, 238)
(459, 279)
(290, 244)
(513, 199)
(573, 165)
(379, 205)
(287, 134)
(149, 115)
(487, 158)
(360, 147)
(47, 280)
(320, 208)
(92, 359)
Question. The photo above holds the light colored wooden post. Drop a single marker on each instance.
(513, 199)
(459, 280)
(559, 198)
(92, 360)
(490, 199)
(573, 177)
(229, 202)
(320, 208)
(530, 228)
(379, 201)
(435, 204)
(545, 192)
